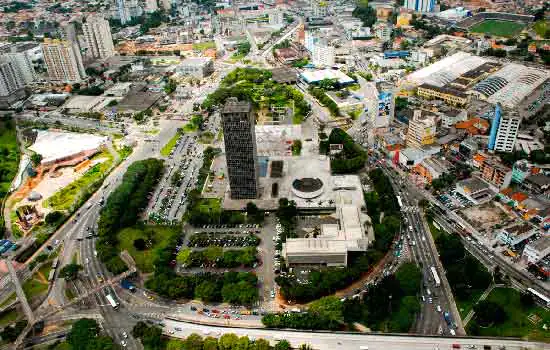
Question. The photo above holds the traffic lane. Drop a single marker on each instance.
(335, 340)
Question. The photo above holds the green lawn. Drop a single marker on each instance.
(541, 27)
(517, 323)
(464, 306)
(434, 230)
(69, 197)
(143, 258)
(498, 28)
(206, 137)
(167, 148)
(8, 317)
(34, 287)
(204, 46)
(9, 300)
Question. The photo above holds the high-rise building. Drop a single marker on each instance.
(151, 6)
(23, 64)
(240, 149)
(70, 32)
(421, 130)
(12, 83)
(420, 5)
(504, 130)
(322, 54)
(125, 10)
(319, 8)
(63, 60)
(98, 37)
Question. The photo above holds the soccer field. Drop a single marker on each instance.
(498, 28)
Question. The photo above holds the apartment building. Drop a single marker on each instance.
(198, 67)
(422, 129)
(323, 54)
(98, 37)
(12, 83)
(504, 130)
(495, 172)
(63, 61)
(240, 149)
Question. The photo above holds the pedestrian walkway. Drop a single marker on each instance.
(20, 293)
(481, 298)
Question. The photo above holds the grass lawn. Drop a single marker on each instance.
(34, 287)
(464, 306)
(541, 27)
(204, 46)
(144, 258)
(68, 198)
(206, 137)
(46, 268)
(210, 205)
(517, 323)
(434, 230)
(190, 127)
(498, 28)
(8, 317)
(167, 148)
(237, 57)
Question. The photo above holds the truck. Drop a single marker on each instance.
(128, 285)
(447, 317)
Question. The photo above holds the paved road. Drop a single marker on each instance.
(425, 255)
(347, 341)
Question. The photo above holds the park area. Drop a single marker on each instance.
(141, 242)
(508, 313)
(498, 28)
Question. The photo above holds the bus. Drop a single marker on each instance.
(436, 276)
(399, 201)
(539, 297)
(54, 263)
(112, 301)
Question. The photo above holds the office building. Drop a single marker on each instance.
(151, 6)
(504, 130)
(420, 5)
(240, 149)
(421, 131)
(63, 61)
(98, 37)
(11, 82)
(536, 250)
(198, 67)
(322, 54)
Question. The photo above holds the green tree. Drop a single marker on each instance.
(261, 344)
(36, 159)
(282, 345)
(53, 217)
(208, 291)
(329, 307)
(174, 344)
(82, 332)
(184, 256)
(409, 277)
(70, 272)
(228, 341)
(210, 343)
(213, 253)
(489, 313)
(193, 342)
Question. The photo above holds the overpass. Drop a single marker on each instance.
(20, 293)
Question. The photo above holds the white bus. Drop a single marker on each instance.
(539, 296)
(399, 201)
(436, 276)
(112, 301)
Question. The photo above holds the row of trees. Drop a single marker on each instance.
(231, 287)
(151, 338)
(217, 257)
(86, 334)
(123, 208)
(321, 96)
(351, 159)
(389, 306)
(325, 313)
(465, 274)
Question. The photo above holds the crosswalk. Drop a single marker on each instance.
(410, 209)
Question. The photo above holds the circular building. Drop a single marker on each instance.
(307, 187)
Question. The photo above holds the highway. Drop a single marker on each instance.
(425, 255)
(347, 341)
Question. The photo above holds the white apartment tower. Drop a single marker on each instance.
(23, 65)
(98, 37)
(323, 54)
(63, 61)
(422, 129)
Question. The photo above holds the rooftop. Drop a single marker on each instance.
(473, 185)
(541, 244)
(236, 106)
(539, 179)
(318, 75)
(519, 229)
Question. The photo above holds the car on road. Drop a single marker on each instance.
(123, 343)
(124, 335)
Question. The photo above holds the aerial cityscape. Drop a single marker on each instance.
(275, 174)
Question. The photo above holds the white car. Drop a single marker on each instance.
(123, 343)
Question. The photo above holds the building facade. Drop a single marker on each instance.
(151, 6)
(420, 5)
(504, 130)
(11, 82)
(322, 54)
(63, 61)
(240, 149)
(98, 37)
(24, 66)
(421, 130)
(198, 67)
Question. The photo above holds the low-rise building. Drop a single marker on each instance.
(516, 233)
(537, 184)
(475, 190)
(495, 172)
(199, 67)
(422, 129)
(449, 95)
(536, 250)
(432, 168)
